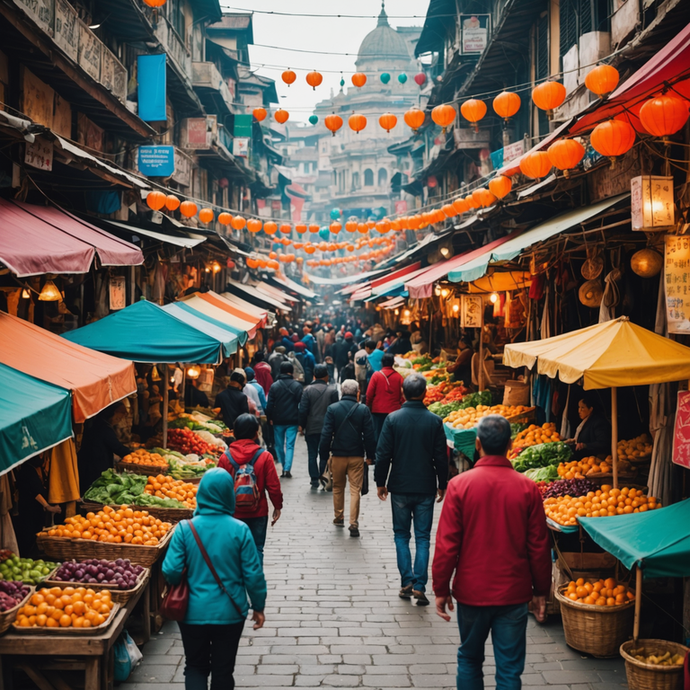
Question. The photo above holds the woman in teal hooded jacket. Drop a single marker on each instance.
(213, 624)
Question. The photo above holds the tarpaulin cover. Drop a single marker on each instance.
(284, 281)
(34, 416)
(250, 292)
(610, 354)
(37, 239)
(96, 380)
(395, 279)
(144, 332)
(657, 541)
(221, 333)
(256, 312)
(221, 310)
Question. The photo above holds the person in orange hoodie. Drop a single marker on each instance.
(243, 451)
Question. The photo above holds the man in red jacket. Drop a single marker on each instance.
(384, 393)
(244, 448)
(493, 534)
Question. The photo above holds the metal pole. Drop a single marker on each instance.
(614, 435)
(165, 405)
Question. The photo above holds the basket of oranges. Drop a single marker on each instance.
(597, 616)
(66, 610)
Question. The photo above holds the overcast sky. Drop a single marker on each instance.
(330, 34)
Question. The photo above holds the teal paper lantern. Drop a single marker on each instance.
(324, 233)
(335, 213)
(313, 119)
(402, 77)
(385, 77)
(342, 82)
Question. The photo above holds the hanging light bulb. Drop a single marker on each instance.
(194, 372)
(437, 291)
(456, 308)
(26, 294)
(445, 292)
(493, 298)
(50, 293)
(216, 267)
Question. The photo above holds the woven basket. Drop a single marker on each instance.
(78, 549)
(71, 632)
(8, 617)
(643, 676)
(596, 630)
(121, 596)
(148, 470)
(171, 515)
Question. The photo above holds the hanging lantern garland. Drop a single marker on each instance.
(281, 116)
(402, 78)
(288, 76)
(388, 121)
(548, 96)
(612, 139)
(259, 114)
(313, 120)
(566, 154)
(357, 122)
(506, 104)
(155, 200)
(443, 116)
(333, 123)
(172, 203)
(385, 77)
(414, 118)
(359, 79)
(535, 165)
(314, 79)
(602, 80)
(500, 186)
(473, 111)
(664, 115)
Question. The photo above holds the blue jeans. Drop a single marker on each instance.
(406, 508)
(258, 527)
(285, 437)
(315, 469)
(508, 627)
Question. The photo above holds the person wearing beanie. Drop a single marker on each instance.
(254, 391)
(232, 401)
(306, 359)
(262, 371)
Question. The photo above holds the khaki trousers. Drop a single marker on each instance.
(344, 468)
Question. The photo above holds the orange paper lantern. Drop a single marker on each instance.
(259, 114)
(206, 215)
(351, 226)
(314, 79)
(309, 248)
(414, 118)
(388, 121)
(565, 154)
(285, 228)
(225, 218)
(357, 122)
(536, 165)
(252, 263)
(548, 96)
(362, 228)
(301, 228)
(471, 202)
(473, 111)
(314, 228)
(460, 205)
(602, 79)
(333, 123)
(664, 115)
(506, 104)
(443, 116)
(359, 79)
(281, 116)
(172, 202)
(449, 211)
(270, 228)
(155, 200)
(288, 76)
(500, 186)
(273, 264)
(612, 138)
(254, 225)
(238, 223)
(188, 209)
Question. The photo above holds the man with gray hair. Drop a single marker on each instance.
(347, 436)
(412, 446)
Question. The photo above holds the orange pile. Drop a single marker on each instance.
(143, 457)
(578, 469)
(167, 487)
(533, 435)
(65, 608)
(601, 593)
(114, 526)
(470, 416)
(601, 503)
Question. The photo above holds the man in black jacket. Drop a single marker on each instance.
(412, 438)
(282, 413)
(347, 435)
(276, 358)
(316, 398)
(232, 401)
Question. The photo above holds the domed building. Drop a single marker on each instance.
(361, 166)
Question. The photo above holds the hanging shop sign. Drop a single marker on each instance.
(67, 28)
(681, 431)
(117, 289)
(474, 33)
(240, 147)
(39, 155)
(199, 132)
(677, 277)
(156, 161)
(183, 168)
(471, 311)
(651, 203)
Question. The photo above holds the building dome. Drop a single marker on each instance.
(382, 45)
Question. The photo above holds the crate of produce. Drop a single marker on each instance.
(463, 440)
(595, 629)
(82, 573)
(171, 515)
(142, 461)
(654, 664)
(13, 595)
(26, 570)
(81, 611)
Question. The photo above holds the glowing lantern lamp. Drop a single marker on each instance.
(414, 118)
(548, 96)
(50, 292)
(566, 154)
(664, 115)
(612, 138)
(536, 165)
(357, 122)
(172, 202)
(652, 204)
(602, 80)
(333, 123)
(288, 76)
(188, 209)
(506, 104)
(314, 79)
(281, 116)
(259, 114)
(443, 116)
(388, 121)
(473, 111)
(500, 186)
(646, 263)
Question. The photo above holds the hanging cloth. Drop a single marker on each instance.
(611, 297)
(8, 540)
(63, 476)
(545, 327)
(565, 420)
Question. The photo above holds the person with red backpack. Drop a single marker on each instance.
(254, 473)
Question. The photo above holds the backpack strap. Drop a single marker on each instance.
(236, 465)
(230, 459)
(259, 452)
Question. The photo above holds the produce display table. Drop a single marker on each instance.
(38, 654)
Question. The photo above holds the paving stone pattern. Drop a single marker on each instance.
(333, 617)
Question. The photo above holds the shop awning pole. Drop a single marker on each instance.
(166, 383)
(638, 602)
(614, 435)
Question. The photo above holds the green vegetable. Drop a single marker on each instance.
(444, 409)
(423, 361)
(474, 399)
(125, 489)
(515, 429)
(543, 474)
(542, 455)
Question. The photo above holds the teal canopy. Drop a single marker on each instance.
(34, 416)
(179, 307)
(657, 541)
(144, 332)
(223, 335)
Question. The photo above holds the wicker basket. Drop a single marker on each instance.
(70, 632)
(596, 630)
(643, 676)
(67, 549)
(171, 515)
(8, 617)
(148, 470)
(121, 596)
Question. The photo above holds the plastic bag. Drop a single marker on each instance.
(127, 657)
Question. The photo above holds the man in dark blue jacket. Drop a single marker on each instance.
(413, 441)
(347, 436)
(306, 359)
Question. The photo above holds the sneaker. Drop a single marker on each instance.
(420, 597)
(405, 592)
(287, 474)
(354, 531)
(283, 475)
(339, 523)
(314, 485)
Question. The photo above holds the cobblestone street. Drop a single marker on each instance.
(333, 617)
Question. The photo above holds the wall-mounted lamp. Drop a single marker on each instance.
(493, 298)
(50, 293)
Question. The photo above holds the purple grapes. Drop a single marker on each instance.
(120, 573)
(569, 487)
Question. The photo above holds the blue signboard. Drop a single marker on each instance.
(151, 87)
(156, 161)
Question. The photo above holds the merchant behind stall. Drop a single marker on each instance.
(232, 401)
(593, 435)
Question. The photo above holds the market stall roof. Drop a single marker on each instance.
(216, 307)
(342, 280)
(501, 281)
(95, 379)
(295, 287)
(249, 291)
(260, 314)
(515, 244)
(183, 239)
(145, 332)
(228, 339)
(34, 416)
(610, 354)
(271, 291)
(40, 239)
(656, 541)
(395, 279)
(392, 303)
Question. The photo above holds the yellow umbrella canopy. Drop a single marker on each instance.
(608, 355)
